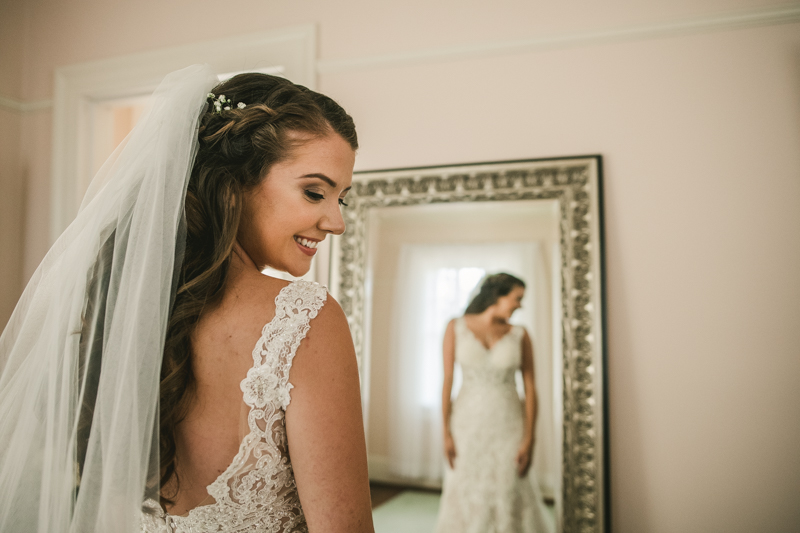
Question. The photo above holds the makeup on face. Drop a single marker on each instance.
(306, 245)
(297, 205)
(512, 301)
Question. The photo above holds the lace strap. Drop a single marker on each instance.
(268, 380)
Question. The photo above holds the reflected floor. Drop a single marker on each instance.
(411, 511)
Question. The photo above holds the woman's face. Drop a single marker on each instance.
(297, 205)
(506, 305)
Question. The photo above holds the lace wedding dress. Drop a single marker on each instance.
(484, 493)
(257, 492)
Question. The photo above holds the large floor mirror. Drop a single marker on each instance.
(417, 244)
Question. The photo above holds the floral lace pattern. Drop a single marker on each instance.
(257, 492)
(483, 493)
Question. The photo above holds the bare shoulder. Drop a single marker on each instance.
(328, 340)
(259, 288)
(324, 428)
(325, 355)
(527, 343)
(527, 346)
(226, 334)
(331, 314)
(250, 289)
(450, 329)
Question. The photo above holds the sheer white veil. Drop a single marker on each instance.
(80, 358)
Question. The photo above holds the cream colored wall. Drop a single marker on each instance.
(700, 134)
(12, 45)
(12, 176)
(11, 213)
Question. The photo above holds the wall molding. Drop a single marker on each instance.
(12, 104)
(786, 14)
(80, 87)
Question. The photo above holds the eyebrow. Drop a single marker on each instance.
(324, 178)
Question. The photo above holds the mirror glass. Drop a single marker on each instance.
(425, 261)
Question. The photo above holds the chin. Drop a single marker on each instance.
(299, 271)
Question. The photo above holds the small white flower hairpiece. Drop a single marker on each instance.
(221, 103)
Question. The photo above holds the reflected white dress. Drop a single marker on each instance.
(484, 493)
(257, 492)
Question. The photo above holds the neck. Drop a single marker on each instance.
(241, 261)
(490, 317)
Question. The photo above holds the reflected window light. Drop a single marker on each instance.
(450, 291)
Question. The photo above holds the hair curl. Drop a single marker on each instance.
(236, 150)
(492, 288)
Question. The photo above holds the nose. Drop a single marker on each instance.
(332, 220)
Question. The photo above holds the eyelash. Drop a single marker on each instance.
(317, 197)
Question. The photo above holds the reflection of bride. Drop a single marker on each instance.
(488, 435)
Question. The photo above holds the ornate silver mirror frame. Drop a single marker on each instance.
(575, 183)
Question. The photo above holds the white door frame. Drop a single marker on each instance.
(78, 87)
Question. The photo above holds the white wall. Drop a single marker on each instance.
(701, 138)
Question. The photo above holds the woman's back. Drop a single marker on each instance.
(232, 460)
(222, 345)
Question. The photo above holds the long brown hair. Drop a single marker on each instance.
(492, 288)
(237, 147)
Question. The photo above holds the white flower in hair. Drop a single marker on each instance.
(222, 103)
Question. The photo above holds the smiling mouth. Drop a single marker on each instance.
(308, 243)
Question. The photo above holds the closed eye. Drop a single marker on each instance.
(315, 196)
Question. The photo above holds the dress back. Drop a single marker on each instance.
(257, 492)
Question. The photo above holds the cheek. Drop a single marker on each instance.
(254, 229)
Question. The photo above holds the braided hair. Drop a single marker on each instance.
(237, 148)
(492, 287)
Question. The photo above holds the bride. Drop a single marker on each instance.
(489, 435)
(152, 378)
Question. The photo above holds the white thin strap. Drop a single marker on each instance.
(268, 380)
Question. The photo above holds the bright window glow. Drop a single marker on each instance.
(451, 288)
